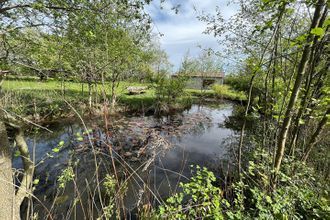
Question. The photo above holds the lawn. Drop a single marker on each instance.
(56, 86)
(21, 95)
(28, 97)
(71, 91)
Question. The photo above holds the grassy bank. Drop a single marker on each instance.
(218, 92)
(35, 98)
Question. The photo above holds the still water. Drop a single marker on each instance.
(198, 136)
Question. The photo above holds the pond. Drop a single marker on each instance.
(152, 154)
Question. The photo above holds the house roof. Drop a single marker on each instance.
(204, 75)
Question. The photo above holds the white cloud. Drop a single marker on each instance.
(183, 31)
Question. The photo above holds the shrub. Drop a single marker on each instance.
(221, 90)
(168, 91)
(199, 199)
(224, 91)
(298, 195)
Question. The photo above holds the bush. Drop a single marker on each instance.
(298, 195)
(199, 199)
(221, 90)
(224, 91)
(168, 91)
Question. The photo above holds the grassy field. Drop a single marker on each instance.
(55, 87)
(71, 91)
(28, 97)
(47, 97)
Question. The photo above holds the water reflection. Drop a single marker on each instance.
(199, 136)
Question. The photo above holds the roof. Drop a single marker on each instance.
(204, 75)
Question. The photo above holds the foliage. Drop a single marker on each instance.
(283, 68)
(206, 62)
(199, 199)
(301, 195)
(220, 89)
(89, 41)
(66, 176)
(159, 59)
(110, 190)
(225, 91)
(168, 91)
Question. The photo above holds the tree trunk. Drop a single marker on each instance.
(302, 109)
(315, 136)
(25, 188)
(1, 81)
(89, 94)
(8, 209)
(104, 92)
(282, 138)
(113, 95)
(240, 146)
(11, 199)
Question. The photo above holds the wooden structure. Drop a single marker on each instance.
(133, 90)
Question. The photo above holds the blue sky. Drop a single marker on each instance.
(183, 31)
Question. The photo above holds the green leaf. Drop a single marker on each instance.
(17, 153)
(326, 23)
(56, 150)
(301, 38)
(61, 143)
(301, 122)
(36, 181)
(317, 31)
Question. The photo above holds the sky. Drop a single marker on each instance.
(183, 32)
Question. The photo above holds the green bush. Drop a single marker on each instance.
(199, 199)
(169, 92)
(221, 90)
(299, 195)
(224, 91)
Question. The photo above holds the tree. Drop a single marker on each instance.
(14, 16)
(103, 40)
(289, 52)
(320, 11)
(34, 34)
(159, 58)
(206, 62)
(8, 206)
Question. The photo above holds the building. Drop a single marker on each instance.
(204, 80)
